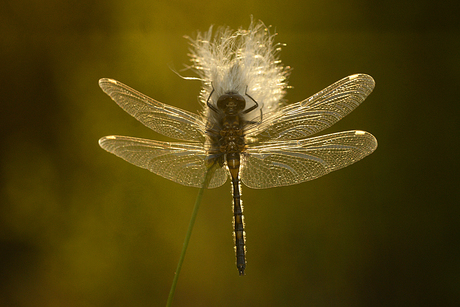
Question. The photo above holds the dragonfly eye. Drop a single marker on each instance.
(231, 103)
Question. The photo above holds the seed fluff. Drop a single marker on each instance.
(241, 61)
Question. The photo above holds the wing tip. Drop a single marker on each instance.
(104, 81)
(103, 140)
(372, 139)
(367, 79)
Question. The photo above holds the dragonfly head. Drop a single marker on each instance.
(231, 103)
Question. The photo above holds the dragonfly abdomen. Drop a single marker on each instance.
(233, 164)
(239, 234)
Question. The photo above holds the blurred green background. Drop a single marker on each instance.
(81, 227)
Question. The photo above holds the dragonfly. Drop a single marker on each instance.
(270, 150)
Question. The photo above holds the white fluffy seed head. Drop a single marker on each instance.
(241, 61)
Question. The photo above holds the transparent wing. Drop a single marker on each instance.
(162, 118)
(184, 163)
(320, 111)
(290, 162)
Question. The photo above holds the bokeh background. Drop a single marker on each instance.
(81, 227)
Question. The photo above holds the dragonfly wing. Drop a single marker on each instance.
(282, 163)
(320, 111)
(165, 119)
(184, 163)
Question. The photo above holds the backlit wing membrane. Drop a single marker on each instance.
(284, 163)
(165, 119)
(320, 111)
(183, 163)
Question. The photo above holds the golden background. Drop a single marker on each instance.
(81, 227)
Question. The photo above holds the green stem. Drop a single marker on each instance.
(188, 235)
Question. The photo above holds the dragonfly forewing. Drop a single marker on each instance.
(165, 119)
(184, 163)
(320, 111)
(283, 163)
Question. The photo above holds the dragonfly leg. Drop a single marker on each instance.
(210, 105)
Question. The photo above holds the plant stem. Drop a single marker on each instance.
(189, 234)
